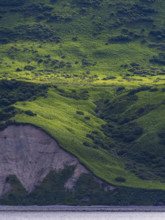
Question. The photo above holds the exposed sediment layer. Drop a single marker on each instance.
(30, 154)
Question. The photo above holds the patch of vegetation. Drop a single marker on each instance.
(119, 39)
(17, 193)
(122, 117)
(34, 32)
(160, 59)
(86, 192)
(161, 135)
(74, 94)
(120, 179)
(7, 3)
(89, 3)
(13, 91)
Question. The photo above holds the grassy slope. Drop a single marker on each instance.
(57, 115)
(92, 27)
(109, 57)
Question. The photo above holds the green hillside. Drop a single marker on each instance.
(91, 74)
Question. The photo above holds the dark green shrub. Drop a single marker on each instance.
(80, 112)
(18, 70)
(90, 136)
(119, 89)
(29, 68)
(30, 113)
(162, 137)
(153, 89)
(88, 3)
(7, 3)
(120, 179)
(109, 77)
(4, 41)
(119, 39)
(86, 144)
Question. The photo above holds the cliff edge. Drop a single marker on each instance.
(30, 154)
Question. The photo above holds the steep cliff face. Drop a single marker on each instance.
(30, 154)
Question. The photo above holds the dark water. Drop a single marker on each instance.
(82, 216)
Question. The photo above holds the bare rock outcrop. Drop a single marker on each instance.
(30, 154)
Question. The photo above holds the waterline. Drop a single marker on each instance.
(65, 208)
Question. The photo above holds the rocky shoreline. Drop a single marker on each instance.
(63, 208)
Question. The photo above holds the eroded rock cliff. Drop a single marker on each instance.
(30, 154)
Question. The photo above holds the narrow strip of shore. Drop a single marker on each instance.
(63, 208)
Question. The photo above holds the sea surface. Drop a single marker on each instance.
(81, 215)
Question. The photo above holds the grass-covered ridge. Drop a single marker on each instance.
(95, 75)
(104, 145)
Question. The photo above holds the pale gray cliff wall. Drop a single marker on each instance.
(30, 154)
